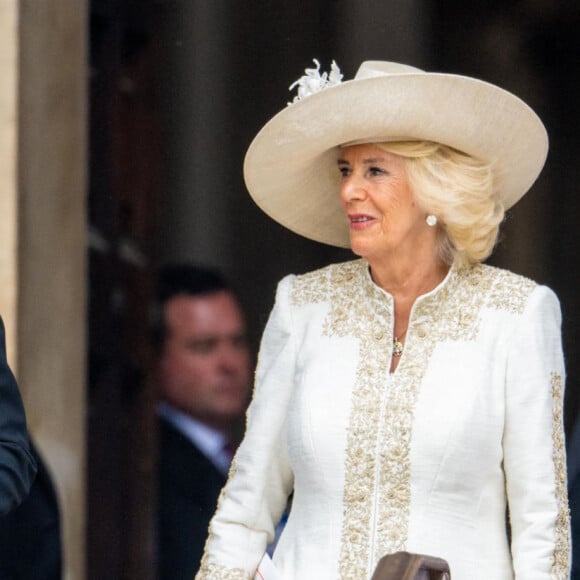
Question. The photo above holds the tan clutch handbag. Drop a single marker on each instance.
(406, 566)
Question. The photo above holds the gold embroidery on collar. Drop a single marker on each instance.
(560, 562)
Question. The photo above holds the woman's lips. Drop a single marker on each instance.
(360, 221)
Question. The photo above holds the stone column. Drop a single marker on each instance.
(42, 249)
(8, 173)
(196, 96)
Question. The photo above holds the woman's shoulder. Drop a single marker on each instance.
(504, 289)
(504, 279)
(316, 285)
(332, 272)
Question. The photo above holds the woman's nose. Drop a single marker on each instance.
(351, 189)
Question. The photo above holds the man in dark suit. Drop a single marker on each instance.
(17, 466)
(573, 459)
(204, 384)
(30, 540)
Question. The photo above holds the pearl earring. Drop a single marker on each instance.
(431, 220)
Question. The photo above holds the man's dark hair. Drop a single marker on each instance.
(191, 280)
(184, 279)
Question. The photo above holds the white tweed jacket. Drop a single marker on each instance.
(426, 459)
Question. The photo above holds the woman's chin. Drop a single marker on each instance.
(360, 247)
(355, 248)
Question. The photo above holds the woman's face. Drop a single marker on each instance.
(377, 199)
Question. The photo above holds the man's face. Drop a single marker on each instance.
(205, 360)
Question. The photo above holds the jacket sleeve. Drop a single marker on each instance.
(534, 450)
(260, 479)
(17, 466)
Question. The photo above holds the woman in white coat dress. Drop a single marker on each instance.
(408, 399)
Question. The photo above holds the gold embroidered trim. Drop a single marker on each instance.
(560, 562)
(377, 465)
(360, 310)
(217, 572)
(509, 292)
(209, 571)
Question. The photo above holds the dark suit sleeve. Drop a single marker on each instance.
(17, 466)
(30, 539)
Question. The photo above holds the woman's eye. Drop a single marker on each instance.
(344, 171)
(377, 171)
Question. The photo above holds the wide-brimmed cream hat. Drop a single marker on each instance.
(290, 167)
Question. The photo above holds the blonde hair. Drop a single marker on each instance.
(458, 189)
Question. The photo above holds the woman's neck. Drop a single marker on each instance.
(406, 280)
